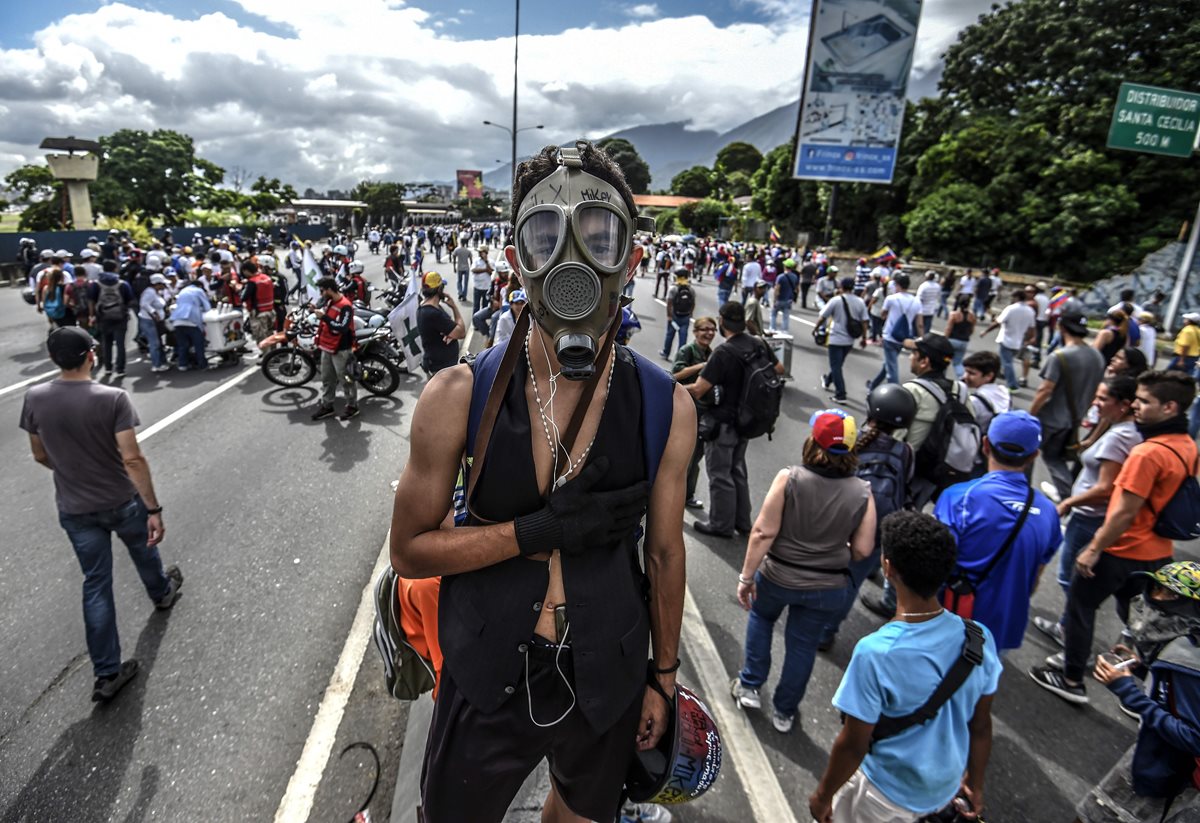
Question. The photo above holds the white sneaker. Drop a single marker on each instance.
(1051, 628)
(646, 813)
(1050, 491)
(782, 722)
(744, 696)
(1058, 660)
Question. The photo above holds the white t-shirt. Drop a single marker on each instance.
(900, 304)
(151, 303)
(1147, 341)
(967, 285)
(930, 295)
(481, 274)
(987, 401)
(1015, 321)
(1043, 304)
(751, 274)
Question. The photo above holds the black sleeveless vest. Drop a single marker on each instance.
(487, 617)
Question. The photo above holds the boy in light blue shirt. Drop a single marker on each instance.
(894, 672)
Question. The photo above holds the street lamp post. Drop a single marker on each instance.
(512, 133)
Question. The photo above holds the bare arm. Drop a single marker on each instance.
(766, 528)
(1045, 390)
(862, 542)
(700, 388)
(1117, 521)
(460, 330)
(980, 751)
(39, 451)
(139, 473)
(851, 746)
(419, 547)
(1099, 493)
(688, 371)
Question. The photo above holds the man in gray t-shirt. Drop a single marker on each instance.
(1069, 379)
(84, 433)
(460, 258)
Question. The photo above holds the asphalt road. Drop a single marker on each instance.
(277, 523)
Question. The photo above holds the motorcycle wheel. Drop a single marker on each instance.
(288, 367)
(377, 375)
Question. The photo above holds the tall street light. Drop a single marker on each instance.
(512, 133)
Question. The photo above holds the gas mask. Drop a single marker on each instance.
(1153, 623)
(573, 239)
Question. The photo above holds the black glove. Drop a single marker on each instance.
(576, 519)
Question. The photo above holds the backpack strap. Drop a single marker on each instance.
(1008, 542)
(658, 407)
(938, 393)
(972, 656)
(1186, 472)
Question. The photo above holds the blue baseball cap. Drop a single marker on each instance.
(1015, 435)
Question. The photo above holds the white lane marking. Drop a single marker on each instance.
(297, 802)
(26, 382)
(802, 320)
(150, 431)
(738, 738)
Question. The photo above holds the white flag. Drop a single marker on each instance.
(403, 320)
(311, 273)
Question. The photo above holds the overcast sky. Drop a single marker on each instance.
(324, 93)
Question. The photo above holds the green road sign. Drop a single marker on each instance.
(1154, 120)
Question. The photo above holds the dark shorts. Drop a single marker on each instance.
(475, 763)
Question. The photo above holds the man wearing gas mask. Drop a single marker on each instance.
(546, 617)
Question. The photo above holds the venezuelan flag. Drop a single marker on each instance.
(884, 255)
(775, 236)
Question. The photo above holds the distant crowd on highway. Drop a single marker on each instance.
(1108, 418)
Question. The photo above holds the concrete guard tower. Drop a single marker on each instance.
(76, 170)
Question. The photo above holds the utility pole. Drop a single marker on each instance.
(516, 37)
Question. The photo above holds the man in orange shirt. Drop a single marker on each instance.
(1127, 542)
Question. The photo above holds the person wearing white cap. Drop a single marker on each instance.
(65, 256)
(152, 310)
(89, 267)
(46, 259)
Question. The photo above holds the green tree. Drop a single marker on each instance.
(150, 173)
(693, 182)
(637, 171)
(702, 216)
(383, 199)
(739, 156)
(42, 196)
(789, 203)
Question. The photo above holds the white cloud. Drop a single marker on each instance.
(310, 107)
(642, 10)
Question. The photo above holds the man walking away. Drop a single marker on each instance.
(725, 451)
(883, 769)
(786, 287)
(481, 280)
(929, 293)
(461, 259)
(84, 433)
(1017, 324)
(1128, 541)
(900, 322)
(1005, 531)
(808, 276)
(681, 302)
(335, 339)
(847, 318)
(1069, 379)
(110, 299)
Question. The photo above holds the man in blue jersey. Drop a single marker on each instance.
(894, 671)
(982, 513)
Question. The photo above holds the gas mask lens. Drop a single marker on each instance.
(539, 237)
(602, 234)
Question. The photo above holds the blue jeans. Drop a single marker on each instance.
(1080, 530)
(189, 345)
(149, 331)
(722, 297)
(783, 307)
(837, 356)
(979, 308)
(889, 372)
(809, 611)
(1010, 371)
(677, 324)
(860, 570)
(960, 351)
(91, 537)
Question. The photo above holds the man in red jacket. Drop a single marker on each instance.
(335, 339)
(258, 297)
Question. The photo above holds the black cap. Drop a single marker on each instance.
(1075, 323)
(69, 346)
(937, 348)
(733, 316)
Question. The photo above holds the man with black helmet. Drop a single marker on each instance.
(545, 615)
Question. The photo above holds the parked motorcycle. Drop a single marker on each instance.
(294, 357)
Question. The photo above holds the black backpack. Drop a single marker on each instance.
(110, 305)
(1179, 518)
(685, 301)
(887, 472)
(948, 454)
(762, 393)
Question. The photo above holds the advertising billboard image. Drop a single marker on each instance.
(470, 183)
(852, 102)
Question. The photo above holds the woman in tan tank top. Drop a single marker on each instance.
(817, 517)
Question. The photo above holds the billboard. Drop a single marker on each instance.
(852, 101)
(470, 183)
